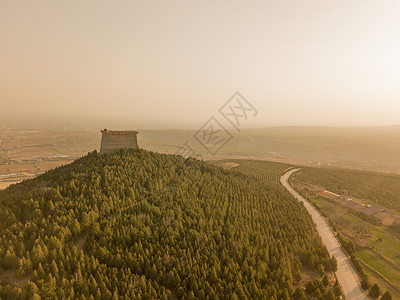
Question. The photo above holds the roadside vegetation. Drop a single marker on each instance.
(374, 249)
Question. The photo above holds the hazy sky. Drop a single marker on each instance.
(174, 63)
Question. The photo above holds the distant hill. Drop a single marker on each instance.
(143, 225)
(38, 149)
(371, 148)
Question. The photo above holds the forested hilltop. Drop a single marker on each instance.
(142, 225)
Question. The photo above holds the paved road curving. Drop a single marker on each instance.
(346, 275)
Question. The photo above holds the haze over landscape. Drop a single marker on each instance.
(172, 64)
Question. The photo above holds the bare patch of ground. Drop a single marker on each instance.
(228, 165)
(307, 274)
(80, 243)
(9, 275)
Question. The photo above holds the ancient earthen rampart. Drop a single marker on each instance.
(113, 140)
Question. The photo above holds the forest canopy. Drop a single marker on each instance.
(138, 224)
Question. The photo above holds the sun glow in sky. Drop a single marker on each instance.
(174, 63)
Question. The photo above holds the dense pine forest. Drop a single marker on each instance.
(143, 225)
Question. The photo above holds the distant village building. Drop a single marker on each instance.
(115, 140)
(376, 207)
(388, 212)
(331, 195)
(369, 211)
(354, 205)
(348, 198)
(317, 189)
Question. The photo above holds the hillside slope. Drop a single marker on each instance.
(138, 224)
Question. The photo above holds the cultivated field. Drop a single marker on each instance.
(376, 246)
